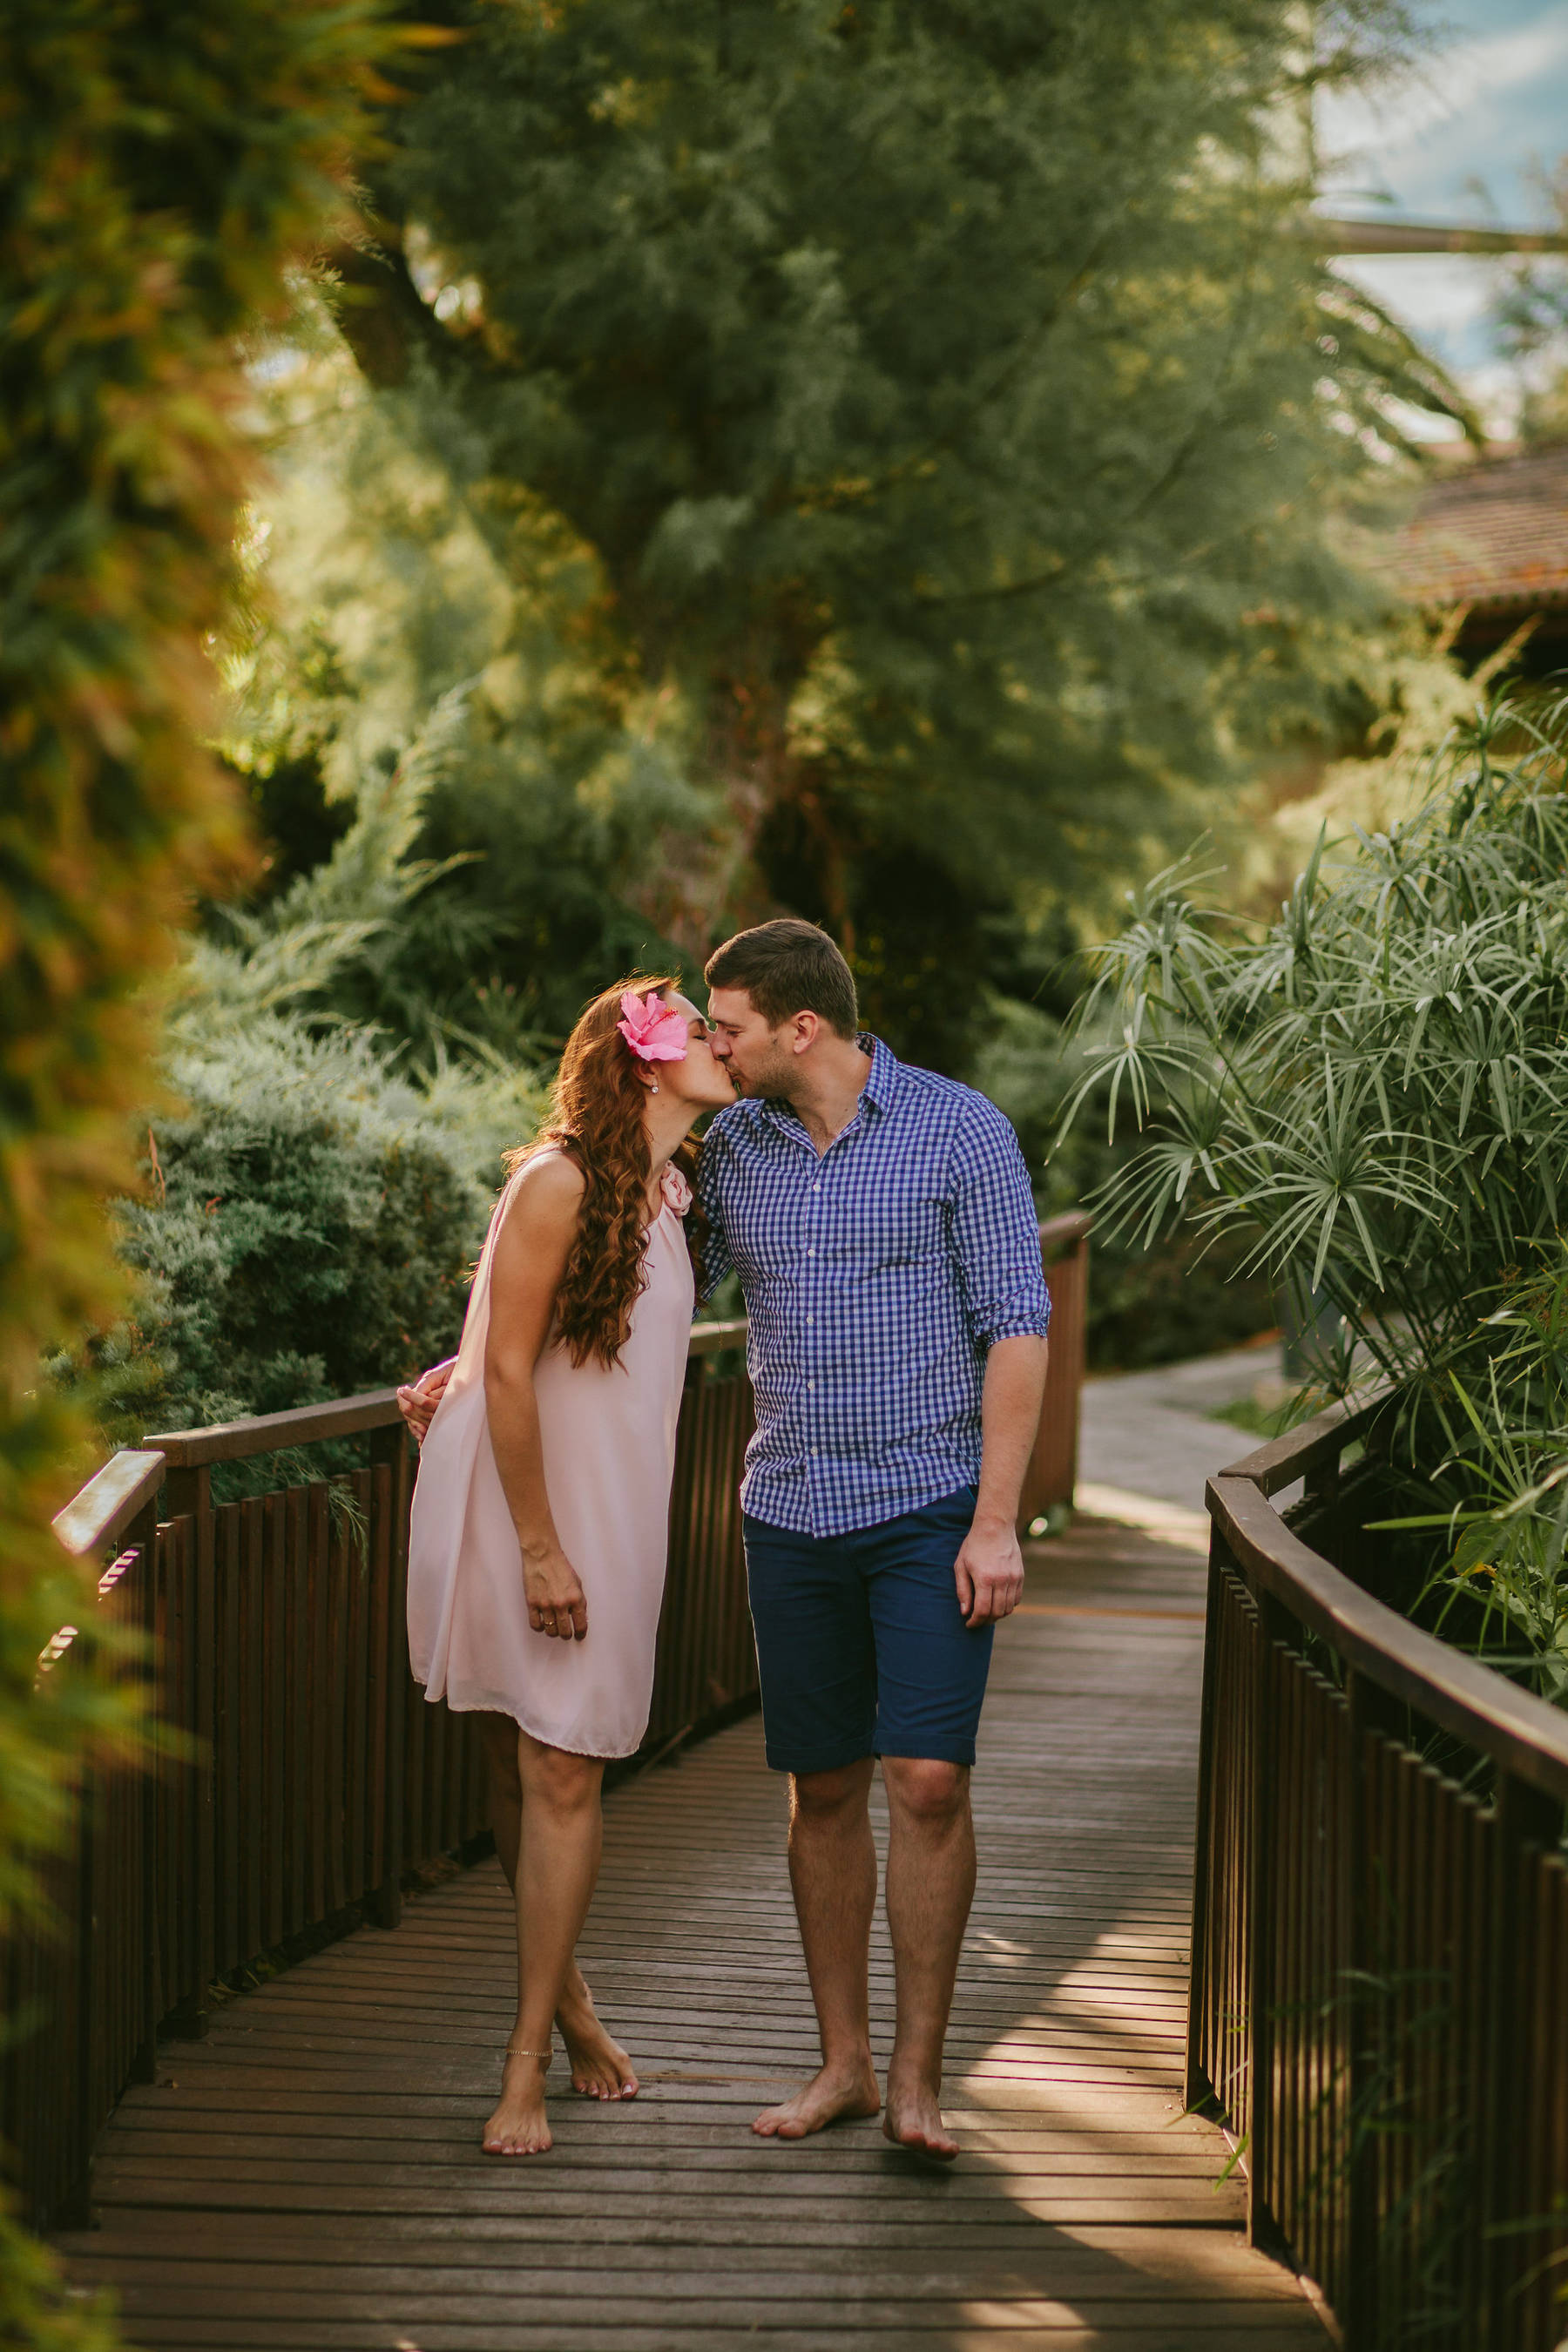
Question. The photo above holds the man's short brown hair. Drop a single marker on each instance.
(788, 967)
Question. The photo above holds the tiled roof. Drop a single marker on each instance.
(1493, 536)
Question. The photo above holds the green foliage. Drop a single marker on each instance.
(35, 2308)
(304, 1232)
(161, 163)
(392, 627)
(306, 1223)
(1146, 1306)
(1375, 1090)
(952, 431)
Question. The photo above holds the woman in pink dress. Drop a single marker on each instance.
(537, 1545)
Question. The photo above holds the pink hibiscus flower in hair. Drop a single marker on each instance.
(651, 1029)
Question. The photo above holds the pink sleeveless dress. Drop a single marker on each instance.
(609, 1452)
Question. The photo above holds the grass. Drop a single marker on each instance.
(1258, 1420)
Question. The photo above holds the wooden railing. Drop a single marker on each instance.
(1379, 1997)
(1053, 1467)
(314, 1773)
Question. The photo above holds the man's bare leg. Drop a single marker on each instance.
(600, 2067)
(833, 1875)
(931, 1884)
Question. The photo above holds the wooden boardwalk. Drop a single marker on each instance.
(309, 2176)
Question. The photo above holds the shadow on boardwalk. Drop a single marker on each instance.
(309, 2176)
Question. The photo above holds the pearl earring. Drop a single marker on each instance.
(653, 1087)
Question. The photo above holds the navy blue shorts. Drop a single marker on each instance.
(861, 1646)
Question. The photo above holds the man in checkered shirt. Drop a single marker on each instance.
(880, 1220)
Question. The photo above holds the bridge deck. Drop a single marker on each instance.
(308, 2177)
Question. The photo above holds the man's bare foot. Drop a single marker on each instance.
(914, 2119)
(832, 2096)
(518, 2126)
(600, 2067)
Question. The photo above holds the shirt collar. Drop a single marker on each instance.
(881, 1090)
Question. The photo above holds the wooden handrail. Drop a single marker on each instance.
(1058, 1234)
(1309, 1445)
(106, 1506)
(311, 1424)
(1525, 1735)
(713, 1338)
(269, 1432)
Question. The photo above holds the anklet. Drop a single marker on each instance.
(545, 2054)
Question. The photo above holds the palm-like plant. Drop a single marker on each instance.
(1376, 1086)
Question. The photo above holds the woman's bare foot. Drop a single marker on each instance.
(914, 2119)
(832, 2096)
(600, 2067)
(518, 2126)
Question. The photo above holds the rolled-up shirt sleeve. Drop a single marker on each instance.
(996, 1231)
(716, 1258)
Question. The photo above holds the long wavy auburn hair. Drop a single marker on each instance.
(596, 1115)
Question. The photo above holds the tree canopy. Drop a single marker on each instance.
(956, 420)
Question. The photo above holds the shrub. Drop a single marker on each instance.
(304, 1230)
(1147, 1306)
(1374, 1090)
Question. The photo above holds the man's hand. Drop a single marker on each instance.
(418, 1403)
(989, 1572)
(557, 1604)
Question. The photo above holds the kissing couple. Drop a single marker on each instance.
(880, 1220)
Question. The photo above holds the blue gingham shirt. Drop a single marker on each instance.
(876, 1278)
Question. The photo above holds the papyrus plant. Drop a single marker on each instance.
(1374, 1086)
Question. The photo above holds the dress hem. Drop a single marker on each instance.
(473, 1706)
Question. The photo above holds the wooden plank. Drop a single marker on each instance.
(296, 1505)
(274, 1805)
(316, 1696)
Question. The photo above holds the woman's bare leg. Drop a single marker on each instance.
(600, 2067)
(558, 1861)
(498, 1733)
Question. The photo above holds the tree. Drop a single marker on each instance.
(393, 627)
(164, 163)
(957, 428)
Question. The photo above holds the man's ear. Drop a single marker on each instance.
(808, 1027)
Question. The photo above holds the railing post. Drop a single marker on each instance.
(76, 2212)
(1369, 1711)
(390, 1447)
(1523, 1819)
(1198, 2089)
(144, 1533)
(1263, 2226)
(187, 1493)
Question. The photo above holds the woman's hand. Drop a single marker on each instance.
(557, 1604)
(417, 1404)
